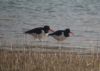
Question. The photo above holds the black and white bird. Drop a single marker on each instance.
(39, 32)
(61, 35)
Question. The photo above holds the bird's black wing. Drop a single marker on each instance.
(35, 30)
(58, 33)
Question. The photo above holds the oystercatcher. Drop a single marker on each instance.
(39, 32)
(61, 35)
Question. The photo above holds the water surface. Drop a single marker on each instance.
(82, 17)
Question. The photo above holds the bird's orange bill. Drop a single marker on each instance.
(51, 30)
(71, 33)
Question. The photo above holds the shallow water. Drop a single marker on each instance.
(82, 17)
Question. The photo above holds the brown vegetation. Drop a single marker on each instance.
(48, 61)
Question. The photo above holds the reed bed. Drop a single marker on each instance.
(48, 61)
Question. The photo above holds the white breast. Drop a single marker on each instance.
(59, 38)
(40, 36)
